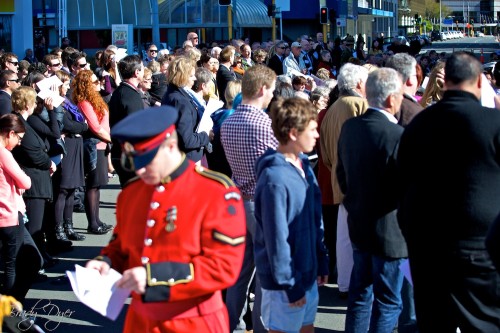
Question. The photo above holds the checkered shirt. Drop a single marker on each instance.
(245, 136)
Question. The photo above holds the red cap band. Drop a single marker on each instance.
(151, 143)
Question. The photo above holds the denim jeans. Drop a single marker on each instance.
(374, 294)
(236, 295)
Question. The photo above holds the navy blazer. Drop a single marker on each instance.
(276, 64)
(224, 75)
(190, 142)
(366, 171)
(124, 101)
(5, 103)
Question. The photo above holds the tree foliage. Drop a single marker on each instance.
(432, 10)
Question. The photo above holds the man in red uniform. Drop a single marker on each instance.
(179, 235)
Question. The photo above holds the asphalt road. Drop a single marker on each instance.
(55, 308)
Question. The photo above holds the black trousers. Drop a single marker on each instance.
(455, 288)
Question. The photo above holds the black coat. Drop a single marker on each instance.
(190, 142)
(449, 166)
(49, 132)
(366, 171)
(32, 156)
(276, 64)
(5, 103)
(224, 75)
(124, 101)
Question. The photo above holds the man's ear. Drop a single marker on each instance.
(293, 134)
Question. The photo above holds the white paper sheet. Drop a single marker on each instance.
(56, 98)
(487, 93)
(97, 291)
(48, 83)
(120, 54)
(206, 123)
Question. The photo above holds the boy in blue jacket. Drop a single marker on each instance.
(290, 256)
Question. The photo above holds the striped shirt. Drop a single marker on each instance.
(245, 136)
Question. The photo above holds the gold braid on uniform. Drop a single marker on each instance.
(217, 176)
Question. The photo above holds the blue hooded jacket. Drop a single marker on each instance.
(288, 242)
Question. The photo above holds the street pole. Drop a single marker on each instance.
(230, 22)
(155, 22)
(440, 18)
(274, 22)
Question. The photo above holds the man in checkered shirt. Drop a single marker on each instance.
(245, 136)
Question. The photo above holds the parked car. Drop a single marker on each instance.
(389, 40)
(424, 40)
(436, 36)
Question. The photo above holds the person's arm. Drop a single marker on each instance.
(73, 127)
(340, 171)
(324, 143)
(34, 154)
(314, 201)
(50, 129)
(11, 168)
(93, 122)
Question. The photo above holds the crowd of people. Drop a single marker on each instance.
(337, 161)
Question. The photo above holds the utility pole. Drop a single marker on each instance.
(273, 18)
(230, 22)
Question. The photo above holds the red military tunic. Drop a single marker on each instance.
(189, 233)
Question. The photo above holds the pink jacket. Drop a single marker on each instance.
(13, 181)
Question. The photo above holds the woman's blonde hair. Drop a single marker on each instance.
(23, 98)
(233, 88)
(180, 70)
(434, 90)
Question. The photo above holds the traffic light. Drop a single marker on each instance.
(270, 10)
(224, 2)
(323, 15)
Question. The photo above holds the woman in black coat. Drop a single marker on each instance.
(32, 156)
(70, 174)
(181, 79)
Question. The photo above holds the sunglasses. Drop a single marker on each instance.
(15, 63)
(282, 47)
(56, 65)
(82, 65)
(153, 51)
(19, 137)
(15, 80)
